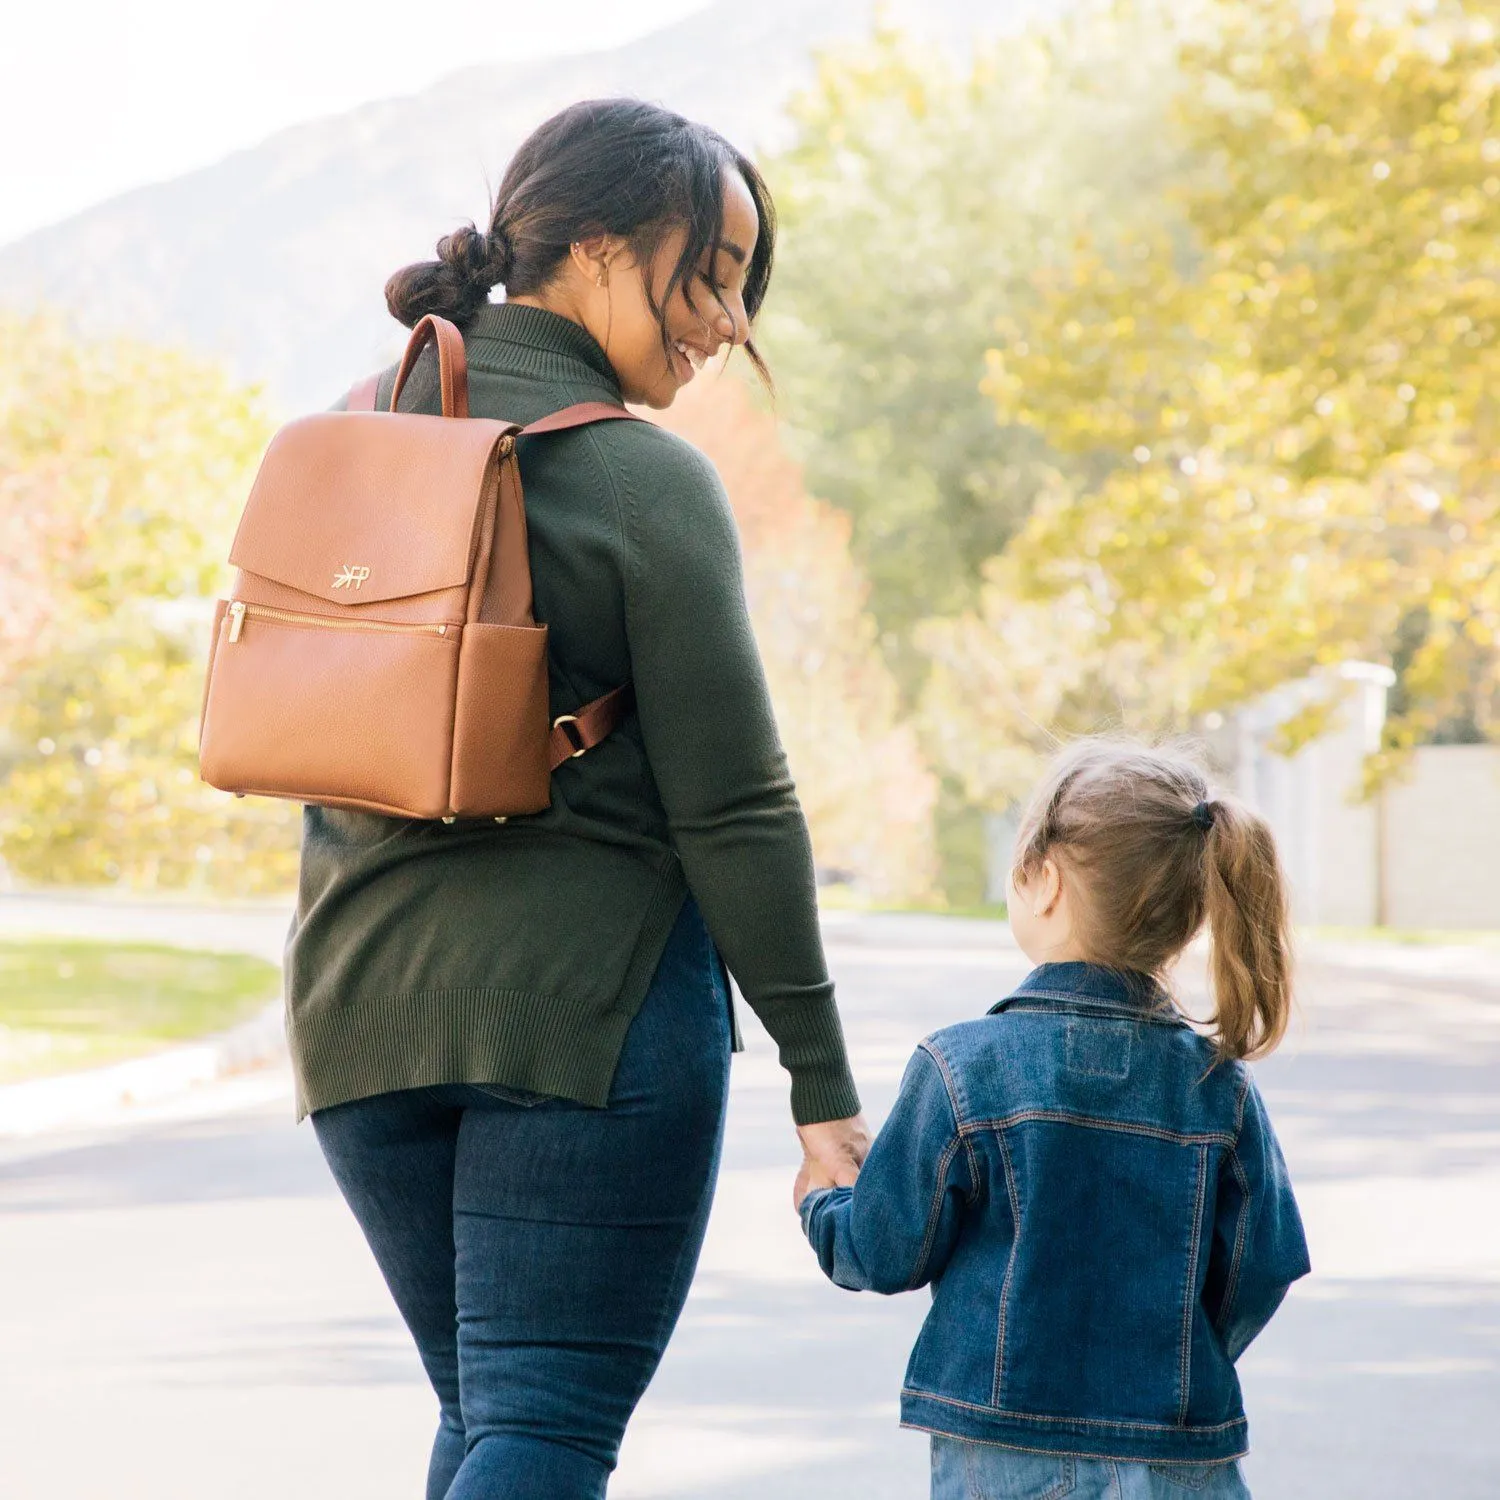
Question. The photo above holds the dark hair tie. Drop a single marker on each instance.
(1203, 815)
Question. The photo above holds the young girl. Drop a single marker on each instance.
(1090, 1184)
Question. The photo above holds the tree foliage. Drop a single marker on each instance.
(1276, 407)
(122, 471)
(920, 196)
(861, 776)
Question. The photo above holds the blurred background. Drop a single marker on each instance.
(1137, 367)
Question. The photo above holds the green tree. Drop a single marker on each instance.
(918, 201)
(124, 468)
(1278, 403)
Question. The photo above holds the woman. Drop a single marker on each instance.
(514, 1040)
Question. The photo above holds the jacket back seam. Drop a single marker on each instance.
(1190, 1292)
(997, 1384)
(1231, 1281)
(1072, 1117)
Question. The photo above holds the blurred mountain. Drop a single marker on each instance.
(273, 259)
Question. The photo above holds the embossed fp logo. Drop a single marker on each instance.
(350, 577)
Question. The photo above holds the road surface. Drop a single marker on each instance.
(187, 1311)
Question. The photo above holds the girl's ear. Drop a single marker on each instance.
(1047, 888)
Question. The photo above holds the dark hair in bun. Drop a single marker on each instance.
(605, 166)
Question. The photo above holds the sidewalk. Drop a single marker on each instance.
(126, 1092)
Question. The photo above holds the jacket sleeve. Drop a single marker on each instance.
(711, 740)
(894, 1230)
(1259, 1248)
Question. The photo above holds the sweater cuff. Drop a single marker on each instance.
(810, 1041)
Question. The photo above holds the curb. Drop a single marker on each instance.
(77, 1098)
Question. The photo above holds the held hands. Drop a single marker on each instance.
(832, 1154)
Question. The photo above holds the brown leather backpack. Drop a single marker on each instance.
(379, 650)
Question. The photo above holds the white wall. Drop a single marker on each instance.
(1442, 839)
(1328, 838)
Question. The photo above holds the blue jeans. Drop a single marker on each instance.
(540, 1251)
(978, 1471)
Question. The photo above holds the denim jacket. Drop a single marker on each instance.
(1103, 1215)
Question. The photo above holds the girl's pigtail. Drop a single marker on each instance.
(1249, 922)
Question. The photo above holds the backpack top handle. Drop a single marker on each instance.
(453, 365)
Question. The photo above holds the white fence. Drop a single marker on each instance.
(1423, 852)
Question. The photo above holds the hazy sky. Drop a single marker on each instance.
(98, 96)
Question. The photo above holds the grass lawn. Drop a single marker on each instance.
(68, 1004)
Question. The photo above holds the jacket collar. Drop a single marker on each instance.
(1084, 986)
(501, 329)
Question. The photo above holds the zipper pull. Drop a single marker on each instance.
(236, 620)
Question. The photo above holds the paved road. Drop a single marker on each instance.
(187, 1311)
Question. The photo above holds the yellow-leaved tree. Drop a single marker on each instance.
(1275, 413)
(122, 471)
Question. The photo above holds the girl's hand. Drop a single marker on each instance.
(811, 1177)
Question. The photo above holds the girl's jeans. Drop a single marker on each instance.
(978, 1471)
(540, 1251)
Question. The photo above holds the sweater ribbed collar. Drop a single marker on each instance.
(533, 341)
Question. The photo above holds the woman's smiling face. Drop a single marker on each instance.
(605, 289)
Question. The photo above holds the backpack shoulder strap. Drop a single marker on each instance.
(573, 734)
(580, 415)
(362, 396)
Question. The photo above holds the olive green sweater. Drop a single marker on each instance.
(426, 953)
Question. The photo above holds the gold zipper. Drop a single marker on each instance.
(238, 610)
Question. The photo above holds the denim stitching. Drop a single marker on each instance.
(998, 1385)
(1189, 1294)
(911, 1426)
(1024, 1416)
(1231, 1282)
(951, 1086)
(1076, 1421)
(934, 1213)
(1070, 1117)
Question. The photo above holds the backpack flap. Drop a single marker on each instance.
(355, 508)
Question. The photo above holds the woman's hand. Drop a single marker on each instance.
(835, 1150)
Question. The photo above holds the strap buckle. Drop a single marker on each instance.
(571, 735)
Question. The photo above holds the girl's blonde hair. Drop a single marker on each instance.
(1155, 855)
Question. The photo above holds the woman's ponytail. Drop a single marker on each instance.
(1249, 923)
(455, 285)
